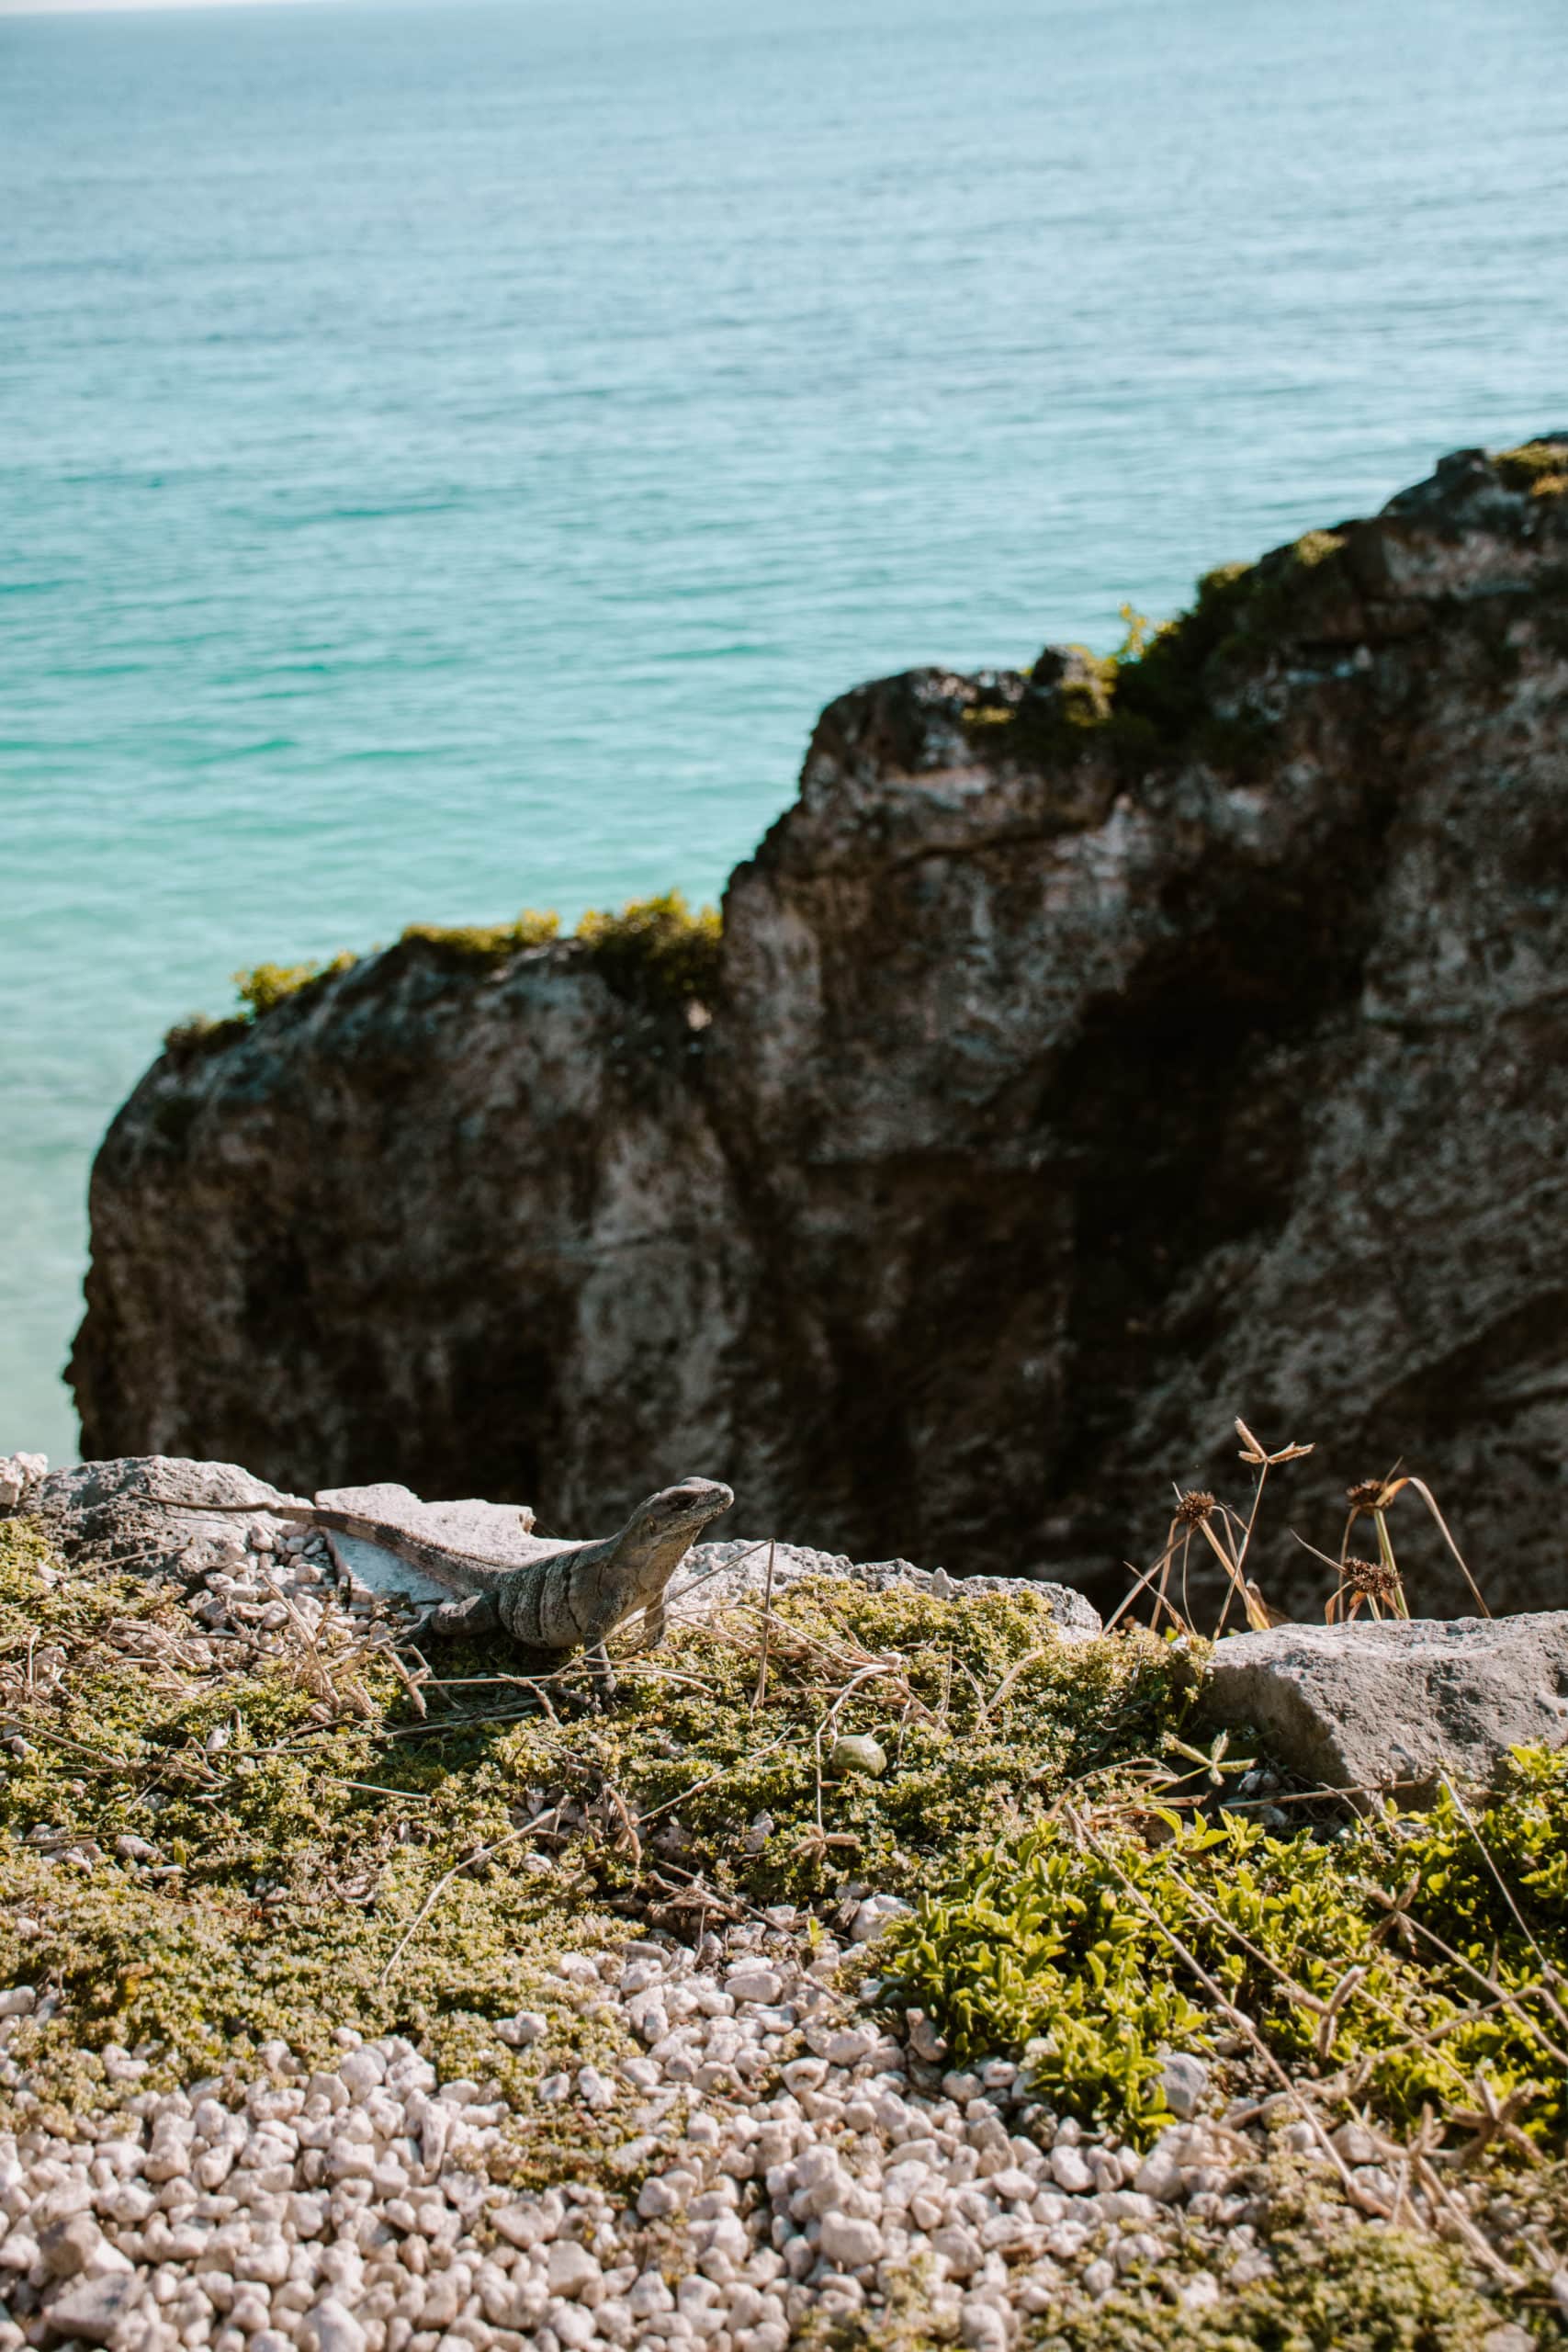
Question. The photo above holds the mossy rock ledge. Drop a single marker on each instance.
(900, 1963)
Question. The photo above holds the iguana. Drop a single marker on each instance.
(558, 1595)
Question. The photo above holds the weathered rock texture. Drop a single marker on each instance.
(1092, 1059)
(1398, 1707)
(115, 1514)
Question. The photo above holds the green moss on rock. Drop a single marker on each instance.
(1356, 2290)
(657, 949)
(310, 1872)
(477, 947)
(1538, 467)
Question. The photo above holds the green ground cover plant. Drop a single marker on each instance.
(1413, 1957)
(296, 1847)
(1357, 2291)
(315, 1841)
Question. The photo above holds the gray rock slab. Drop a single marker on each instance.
(495, 1530)
(108, 1510)
(1394, 1706)
(719, 1575)
(111, 1509)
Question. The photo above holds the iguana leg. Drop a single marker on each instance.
(476, 1614)
(654, 1619)
(604, 1673)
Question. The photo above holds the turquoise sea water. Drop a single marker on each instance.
(449, 452)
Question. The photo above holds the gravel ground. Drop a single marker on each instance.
(772, 2156)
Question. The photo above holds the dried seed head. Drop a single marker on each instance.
(1365, 1495)
(1371, 1577)
(1194, 1507)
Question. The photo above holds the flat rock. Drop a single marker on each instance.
(495, 1530)
(719, 1575)
(110, 1511)
(106, 1511)
(1393, 1707)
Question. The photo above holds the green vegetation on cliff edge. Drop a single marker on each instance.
(654, 952)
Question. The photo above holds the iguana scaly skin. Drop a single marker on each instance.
(559, 1596)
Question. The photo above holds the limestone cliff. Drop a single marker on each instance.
(1094, 1055)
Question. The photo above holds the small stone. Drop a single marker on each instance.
(664, 2194)
(959, 2247)
(981, 2326)
(571, 2325)
(1373, 2189)
(924, 2039)
(362, 2070)
(1159, 2176)
(1069, 2171)
(523, 2030)
(874, 1913)
(76, 2246)
(858, 1752)
(331, 2326)
(849, 2046)
(1355, 2144)
(18, 2001)
(572, 2268)
(1185, 2081)
(649, 2297)
(849, 2242)
(94, 2308)
(753, 1982)
(522, 2224)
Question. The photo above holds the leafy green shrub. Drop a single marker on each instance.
(1539, 467)
(656, 949)
(467, 945)
(1060, 1942)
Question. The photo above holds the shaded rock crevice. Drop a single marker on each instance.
(1095, 1054)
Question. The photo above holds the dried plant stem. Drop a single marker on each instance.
(439, 1889)
(1503, 1888)
(1430, 1500)
(761, 1691)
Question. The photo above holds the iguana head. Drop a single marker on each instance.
(662, 1531)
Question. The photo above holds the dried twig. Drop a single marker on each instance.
(761, 1691)
(431, 1900)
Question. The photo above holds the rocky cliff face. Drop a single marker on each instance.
(1095, 1055)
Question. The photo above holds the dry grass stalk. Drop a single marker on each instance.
(439, 1889)
(1375, 1587)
